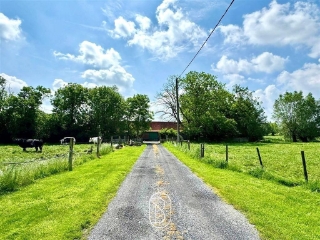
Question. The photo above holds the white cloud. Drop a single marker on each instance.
(228, 66)
(306, 79)
(110, 8)
(234, 79)
(123, 28)
(115, 75)
(107, 69)
(144, 22)
(232, 33)
(265, 62)
(9, 28)
(58, 83)
(267, 96)
(279, 24)
(89, 85)
(174, 33)
(13, 84)
(46, 106)
(268, 63)
(92, 54)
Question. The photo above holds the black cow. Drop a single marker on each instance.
(29, 143)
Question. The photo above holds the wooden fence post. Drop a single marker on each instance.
(70, 153)
(98, 147)
(111, 141)
(260, 160)
(227, 156)
(304, 166)
(189, 144)
(201, 150)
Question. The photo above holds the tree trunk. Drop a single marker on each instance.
(294, 138)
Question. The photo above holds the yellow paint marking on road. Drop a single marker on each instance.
(173, 232)
(159, 170)
(155, 150)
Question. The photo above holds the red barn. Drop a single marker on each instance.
(157, 126)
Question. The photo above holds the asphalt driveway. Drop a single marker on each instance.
(162, 199)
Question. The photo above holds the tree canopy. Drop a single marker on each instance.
(208, 110)
(298, 116)
(138, 114)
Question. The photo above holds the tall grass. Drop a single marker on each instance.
(22, 172)
(281, 160)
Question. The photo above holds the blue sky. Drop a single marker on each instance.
(268, 46)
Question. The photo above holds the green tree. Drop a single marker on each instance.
(138, 115)
(206, 107)
(23, 111)
(168, 133)
(298, 116)
(271, 128)
(106, 110)
(70, 104)
(4, 135)
(248, 114)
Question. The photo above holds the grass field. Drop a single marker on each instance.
(14, 153)
(19, 168)
(277, 211)
(66, 205)
(282, 161)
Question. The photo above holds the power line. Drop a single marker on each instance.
(207, 38)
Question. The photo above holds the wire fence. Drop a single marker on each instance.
(18, 171)
(290, 164)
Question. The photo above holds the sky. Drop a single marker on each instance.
(269, 46)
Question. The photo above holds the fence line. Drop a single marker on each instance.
(227, 158)
(62, 155)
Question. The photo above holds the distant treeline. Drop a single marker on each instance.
(77, 111)
(207, 111)
(210, 112)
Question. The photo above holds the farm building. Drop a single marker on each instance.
(151, 136)
(156, 126)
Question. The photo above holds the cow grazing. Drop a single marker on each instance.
(94, 140)
(66, 140)
(29, 143)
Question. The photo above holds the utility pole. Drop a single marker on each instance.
(178, 119)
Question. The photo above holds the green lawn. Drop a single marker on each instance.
(282, 161)
(277, 211)
(66, 205)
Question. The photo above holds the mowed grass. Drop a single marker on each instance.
(277, 211)
(66, 205)
(282, 161)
